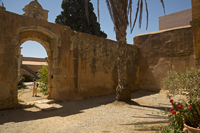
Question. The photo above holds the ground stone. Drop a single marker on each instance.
(45, 106)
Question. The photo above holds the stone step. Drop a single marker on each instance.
(46, 107)
(47, 101)
(44, 104)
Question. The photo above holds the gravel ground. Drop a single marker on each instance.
(25, 94)
(95, 115)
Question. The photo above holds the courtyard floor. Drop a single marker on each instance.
(144, 114)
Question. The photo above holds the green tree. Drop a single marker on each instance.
(43, 79)
(120, 11)
(73, 15)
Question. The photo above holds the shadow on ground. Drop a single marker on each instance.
(68, 108)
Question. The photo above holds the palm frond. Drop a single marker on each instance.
(116, 17)
(147, 12)
(130, 11)
(136, 15)
(98, 11)
(141, 10)
(163, 5)
(119, 19)
(110, 10)
(86, 10)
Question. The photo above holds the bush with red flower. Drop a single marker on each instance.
(185, 110)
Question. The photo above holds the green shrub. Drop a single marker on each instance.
(43, 79)
(186, 110)
(21, 83)
(27, 78)
(183, 83)
(22, 79)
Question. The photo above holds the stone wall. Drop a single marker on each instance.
(31, 71)
(174, 20)
(34, 59)
(162, 51)
(196, 29)
(25, 72)
(94, 67)
(80, 65)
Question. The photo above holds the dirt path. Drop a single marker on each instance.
(95, 115)
(25, 95)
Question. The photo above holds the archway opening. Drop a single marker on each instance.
(32, 64)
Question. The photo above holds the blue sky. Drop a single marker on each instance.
(34, 49)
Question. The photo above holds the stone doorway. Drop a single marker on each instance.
(49, 41)
(31, 60)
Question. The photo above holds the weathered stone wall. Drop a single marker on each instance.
(196, 29)
(174, 20)
(30, 70)
(34, 59)
(80, 65)
(25, 72)
(94, 67)
(162, 51)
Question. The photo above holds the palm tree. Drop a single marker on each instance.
(119, 11)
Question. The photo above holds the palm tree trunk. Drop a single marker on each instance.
(123, 90)
(119, 9)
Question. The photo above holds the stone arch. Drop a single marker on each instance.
(50, 42)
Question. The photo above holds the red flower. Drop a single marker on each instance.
(179, 104)
(171, 109)
(179, 107)
(173, 112)
(171, 101)
(190, 107)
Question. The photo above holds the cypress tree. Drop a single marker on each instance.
(74, 15)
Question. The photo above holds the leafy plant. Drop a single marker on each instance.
(22, 92)
(186, 110)
(21, 83)
(27, 78)
(43, 79)
(22, 79)
(20, 100)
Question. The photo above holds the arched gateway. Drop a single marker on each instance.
(48, 40)
(79, 65)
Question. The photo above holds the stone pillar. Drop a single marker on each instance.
(19, 63)
(195, 23)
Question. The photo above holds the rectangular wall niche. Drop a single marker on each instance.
(179, 61)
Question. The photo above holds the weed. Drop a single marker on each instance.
(20, 100)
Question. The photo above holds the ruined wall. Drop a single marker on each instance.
(25, 72)
(80, 65)
(30, 70)
(95, 70)
(177, 19)
(162, 51)
(34, 59)
(196, 29)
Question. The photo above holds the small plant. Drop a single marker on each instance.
(43, 79)
(26, 78)
(21, 92)
(149, 128)
(22, 79)
(20, 100)
(21, 83)
(186, 110)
